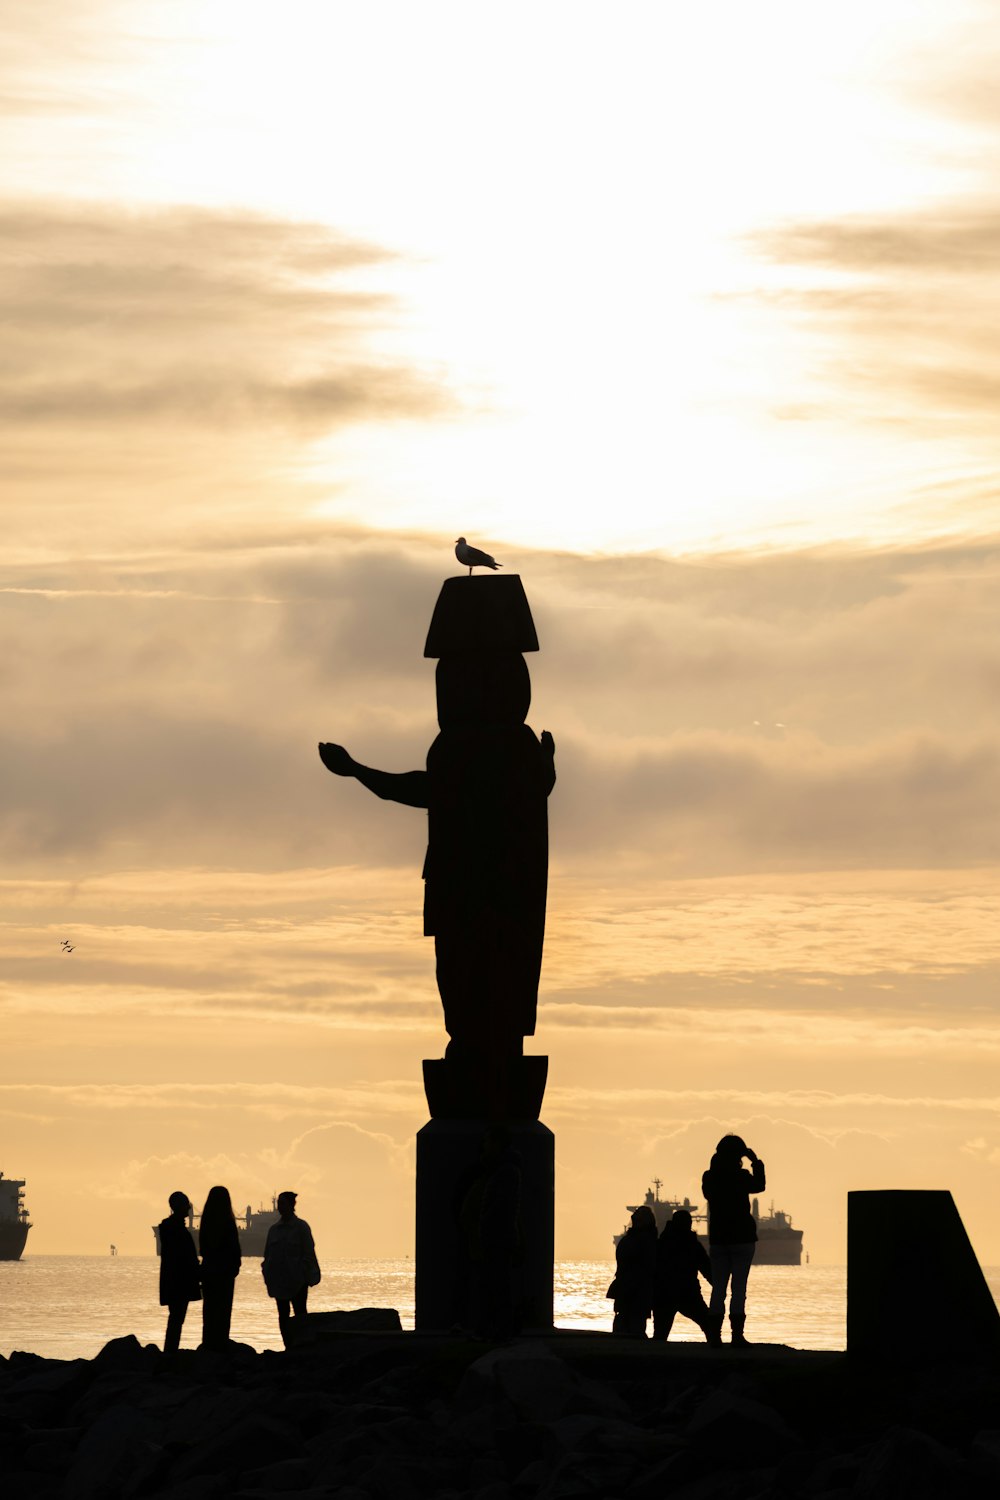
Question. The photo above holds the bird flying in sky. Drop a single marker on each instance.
(66, 945)
(471, 557)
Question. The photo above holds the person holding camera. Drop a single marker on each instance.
(732, 1231)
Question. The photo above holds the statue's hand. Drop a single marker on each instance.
(548, 745)
(336, 759)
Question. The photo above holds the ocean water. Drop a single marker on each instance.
(68, 1306)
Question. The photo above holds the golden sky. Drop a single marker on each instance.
(687, 314)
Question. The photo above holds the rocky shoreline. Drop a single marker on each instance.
(403, 1416)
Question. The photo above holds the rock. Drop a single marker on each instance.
(519, 1445)
(46, 1456)
(104, 1389)
(250, 1443)
(576, 1432)
(476, 1431)
(199, 1487)
(538, 1384)
(288, 1474)
(116, 1446)
(241, 1354)
(595, 1477)
(609, 1436)
(21, 1359)
(205, 1413)
(739, 1426)
(668, 1476)
(484, 1470)
(984, 1454)
(214, 1364)
(355, 1320)
(836, 1473)
(911, 1466)
(54, 1375)
(314, 1492)
(388, 1418)
(533, 1475)
(750, 1485)
(386, 1480)
(481, 1381)
(12, 1428)
(127, 1353)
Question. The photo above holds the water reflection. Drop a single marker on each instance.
(69, 1306)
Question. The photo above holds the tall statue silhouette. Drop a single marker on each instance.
(485, 788)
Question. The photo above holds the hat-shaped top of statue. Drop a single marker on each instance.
(481, 613)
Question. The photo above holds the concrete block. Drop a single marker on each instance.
(914, 1286)
(447, 1153)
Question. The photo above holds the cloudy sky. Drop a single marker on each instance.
(686, 313)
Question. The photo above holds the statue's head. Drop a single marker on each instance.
(487, 691)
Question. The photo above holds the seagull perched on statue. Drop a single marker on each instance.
(471, 557)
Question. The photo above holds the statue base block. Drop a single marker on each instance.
(451, 1286)
(915, 1290)
(503, 1089)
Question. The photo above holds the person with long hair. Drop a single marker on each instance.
(732, 1231)
(220, 1265)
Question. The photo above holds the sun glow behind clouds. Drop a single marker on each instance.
(568, 190)
(589, 275)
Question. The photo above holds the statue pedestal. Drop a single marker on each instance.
(915, 1290)
(448, 1281)
(504, 1089)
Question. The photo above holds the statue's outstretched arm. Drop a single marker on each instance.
(409, 787)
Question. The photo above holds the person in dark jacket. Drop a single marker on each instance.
(289, 1266)
(179, 1282)
(633, 1285)
(680, 1256)
(219, 1241)
(732, 1230)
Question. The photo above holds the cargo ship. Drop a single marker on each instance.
(14, 1221)
(252, 1227)
(778, 1243)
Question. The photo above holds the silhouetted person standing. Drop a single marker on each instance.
(179, 1280)
(220, 1265)
(680, 1256)
(732, 1230)
(633, 1286)
(289, 1266)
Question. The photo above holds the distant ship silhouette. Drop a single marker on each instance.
(14, 1221)
(252, 1227)
(778, 1244)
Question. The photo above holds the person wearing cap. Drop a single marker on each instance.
(732, 1230)
(289, 1266)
